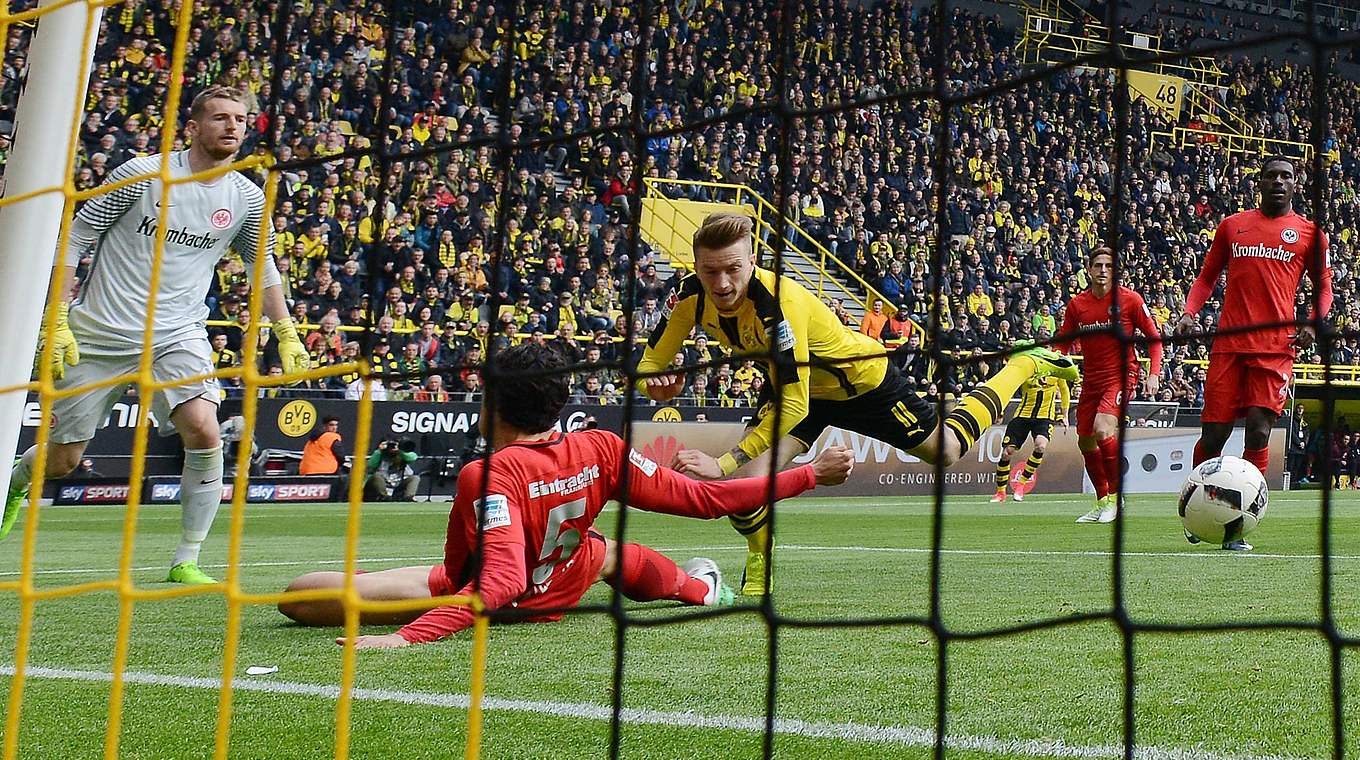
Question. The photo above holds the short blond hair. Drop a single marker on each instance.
(215, 92)
(721, 230)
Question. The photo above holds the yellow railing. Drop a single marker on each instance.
(1304, 374)
(1310, 374)
(305, 329)
(1252, 144)
(1212, 109)
(668, 224)
(1047, 36)
(830, 269)
(1314, 374)
(1199, 69)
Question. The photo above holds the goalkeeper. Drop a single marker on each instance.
(99, 334)
(821, 374)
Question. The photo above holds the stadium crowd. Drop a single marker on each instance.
(399, 261)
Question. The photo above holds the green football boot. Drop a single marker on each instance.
(189, 572)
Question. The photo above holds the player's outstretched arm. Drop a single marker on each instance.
(664, 342)
(92, 220)
(654, 488)
(504, 575)
(504, 579)
(1214, 263)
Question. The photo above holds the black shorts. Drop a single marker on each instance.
(1020, 428)
(892, 413)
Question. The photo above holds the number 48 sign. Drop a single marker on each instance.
(1161, 91)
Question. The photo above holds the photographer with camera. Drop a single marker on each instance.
(389, 472)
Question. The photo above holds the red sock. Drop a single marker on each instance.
(1114, 467)
(1095, 470)
(645, 575)
(1259, 457)
(1202, 454)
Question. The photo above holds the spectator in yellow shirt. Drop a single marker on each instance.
(979, 304)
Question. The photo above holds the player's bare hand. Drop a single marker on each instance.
(386, 641)
(833, 466)
(1153, 383)
(697, 464)
(664, 387)
(1305, 337)
(1186, 324)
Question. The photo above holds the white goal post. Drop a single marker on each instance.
(44, 120)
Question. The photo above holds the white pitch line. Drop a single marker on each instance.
(1041, 553)
(283, 563)
(1099, 554)
(905, 736)
(143, 517)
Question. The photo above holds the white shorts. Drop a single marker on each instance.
(76, 418)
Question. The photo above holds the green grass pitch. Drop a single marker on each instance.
(697, 688)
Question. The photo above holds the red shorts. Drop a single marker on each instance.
(566, 589)
(1103, 398)
(1237, 382)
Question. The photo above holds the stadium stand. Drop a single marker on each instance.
(395, 261)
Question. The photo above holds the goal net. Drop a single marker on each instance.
(935, 176)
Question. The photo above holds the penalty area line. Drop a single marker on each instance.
(1034, 553)
(281, 563)
(904, 736)
(1055, 553)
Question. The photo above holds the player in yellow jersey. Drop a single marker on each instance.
(821, 374)
(1043, 401)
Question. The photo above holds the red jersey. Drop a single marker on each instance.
(540, 500)
(1101, 363)
(1265, 257)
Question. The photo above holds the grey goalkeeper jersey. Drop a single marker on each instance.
(203, 221)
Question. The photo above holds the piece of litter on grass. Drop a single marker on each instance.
(261, 670)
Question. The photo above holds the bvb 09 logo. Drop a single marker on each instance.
(297, 418)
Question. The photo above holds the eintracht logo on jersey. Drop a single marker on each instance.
(1289, 235)
(221, 219)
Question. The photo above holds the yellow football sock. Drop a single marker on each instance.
(755, 526)
(976, 412)
(1032, 465)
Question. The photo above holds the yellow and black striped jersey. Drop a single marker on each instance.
(1043, 398)
(814, 355)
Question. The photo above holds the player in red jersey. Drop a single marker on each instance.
(1109, 373)
(537, 496)
(1266, 251)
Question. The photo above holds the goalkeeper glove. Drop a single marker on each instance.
(65, 350)
(291, 351)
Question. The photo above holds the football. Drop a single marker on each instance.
(1223, 499)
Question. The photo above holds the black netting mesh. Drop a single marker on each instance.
(935, 85)
(928, 104)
